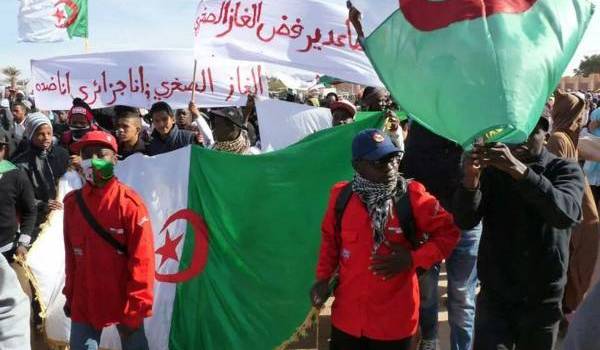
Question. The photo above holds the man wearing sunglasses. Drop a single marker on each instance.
(377, 300)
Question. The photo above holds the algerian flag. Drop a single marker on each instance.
(52, 20)
(465, 67)
(236, 241)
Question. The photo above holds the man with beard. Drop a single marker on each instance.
(377, 301)
(529, 200)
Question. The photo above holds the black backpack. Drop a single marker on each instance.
(403, 210)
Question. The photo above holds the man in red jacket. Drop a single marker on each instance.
(109, 278)
(377, 300)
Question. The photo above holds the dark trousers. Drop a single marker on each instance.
(501, 326)
(344, 341)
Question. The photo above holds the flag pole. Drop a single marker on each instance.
(194, 81)
(86, 45)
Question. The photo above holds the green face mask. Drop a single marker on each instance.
(98, 171)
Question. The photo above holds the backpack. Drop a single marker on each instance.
(403, 210)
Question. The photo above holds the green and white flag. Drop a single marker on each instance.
(236, 241)
(52, 20)
(463, 68)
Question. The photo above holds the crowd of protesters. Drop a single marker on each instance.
(517, 226)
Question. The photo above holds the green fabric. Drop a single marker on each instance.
(366, 115)
(6, 166)
(80, 27)
(263, 214)
(482, 74)
(103, 171)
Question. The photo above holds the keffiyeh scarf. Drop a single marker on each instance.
(378, 197)
(241, 145)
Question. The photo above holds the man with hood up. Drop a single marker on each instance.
(569, 116)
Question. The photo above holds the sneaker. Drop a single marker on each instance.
(428, 344)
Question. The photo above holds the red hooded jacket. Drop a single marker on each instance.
(366, 305)
(103, 286)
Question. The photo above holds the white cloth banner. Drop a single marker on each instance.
(313, 35)
(285, 123)
(141, 78)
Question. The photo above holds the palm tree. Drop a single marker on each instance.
(12, 75)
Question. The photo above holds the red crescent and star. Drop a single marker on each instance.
(62, 21)
(169, 250)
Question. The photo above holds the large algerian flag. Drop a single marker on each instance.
(236, 240)
(52, 20)
(466, 67)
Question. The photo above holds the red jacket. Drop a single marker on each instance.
(103, 286)
(366, 305)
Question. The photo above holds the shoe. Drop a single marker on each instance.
(428, 344)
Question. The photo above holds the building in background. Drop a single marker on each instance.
(580, 83)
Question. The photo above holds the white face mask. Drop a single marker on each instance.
(88, 171)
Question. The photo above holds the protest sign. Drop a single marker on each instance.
(313, 35)
(141, 78)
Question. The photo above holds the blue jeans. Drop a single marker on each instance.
(85, 337)
(462, 283)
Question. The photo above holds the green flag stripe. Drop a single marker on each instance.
(80, 27)
(263, 214)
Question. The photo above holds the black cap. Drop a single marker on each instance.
(232, 114)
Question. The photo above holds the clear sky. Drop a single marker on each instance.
(137, 24)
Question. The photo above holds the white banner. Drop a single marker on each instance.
(314, 35)
(285, 123)
(141, 78)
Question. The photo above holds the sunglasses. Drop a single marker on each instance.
(383, 163)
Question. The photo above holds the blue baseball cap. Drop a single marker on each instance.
(372, 144)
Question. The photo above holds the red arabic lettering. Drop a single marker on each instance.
(312, 41)
(234, 20)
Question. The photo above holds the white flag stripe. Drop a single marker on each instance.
(37, 23)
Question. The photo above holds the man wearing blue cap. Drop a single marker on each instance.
(374, 249)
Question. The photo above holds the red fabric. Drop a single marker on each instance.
(104, 287)
(366, 305)
(81, 111)
(96, 137)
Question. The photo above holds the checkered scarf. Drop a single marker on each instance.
(378, 197)
(241, 145)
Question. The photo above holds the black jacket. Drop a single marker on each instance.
(433, 161)
(176, 139)
(16, 195)
(140, 147)
(524, 249)
(43, 169)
